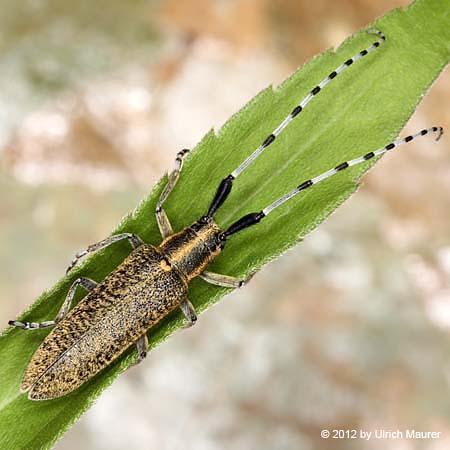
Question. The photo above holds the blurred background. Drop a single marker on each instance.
(97, 98)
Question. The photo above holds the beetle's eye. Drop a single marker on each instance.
(220, 241)
(196, 226)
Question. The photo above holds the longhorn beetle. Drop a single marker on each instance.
(153, 281)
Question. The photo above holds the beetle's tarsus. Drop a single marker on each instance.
(31, 325)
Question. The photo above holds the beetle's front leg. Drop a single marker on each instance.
(224, 280)
(161, 217)
(87, 283)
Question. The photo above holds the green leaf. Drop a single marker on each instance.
(363, 109)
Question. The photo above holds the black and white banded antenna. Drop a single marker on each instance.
(254, 218)
(226, 184)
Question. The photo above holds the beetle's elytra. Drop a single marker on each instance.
(152, 281)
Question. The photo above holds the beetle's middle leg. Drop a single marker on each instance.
(161, 217)
(87, 283)
(188, 310)
(134, 239)
(224, 280)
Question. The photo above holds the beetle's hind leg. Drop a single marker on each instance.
(161, 217)
(224, 280)
(87, 283)
(134, 240)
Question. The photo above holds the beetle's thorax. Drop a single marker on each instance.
(193, 248)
